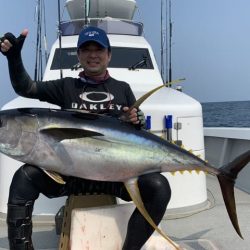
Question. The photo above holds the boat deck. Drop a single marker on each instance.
(211, 229)
(206, 229)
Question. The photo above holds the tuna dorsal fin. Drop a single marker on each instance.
(148, 94)
(60, 134)
(133, 190)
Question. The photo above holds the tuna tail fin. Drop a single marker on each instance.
(134, 192)
(228, 175)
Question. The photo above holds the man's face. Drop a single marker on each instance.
(94, 58)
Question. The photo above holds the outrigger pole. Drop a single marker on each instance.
(60, 38)
(85, 8)
(170, 43)
(38, 42)
(166, 42)
(162, 52)
(40, 33)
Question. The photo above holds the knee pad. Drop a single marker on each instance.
(22, 187)
(32, 173)
(29, 181)
(154, 185)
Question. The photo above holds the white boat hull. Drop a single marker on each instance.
(223, 144)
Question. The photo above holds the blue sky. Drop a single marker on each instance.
(210, 43)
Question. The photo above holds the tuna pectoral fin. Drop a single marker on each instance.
(60, 134)
(55, 176)
(133, 190)
(227, 177)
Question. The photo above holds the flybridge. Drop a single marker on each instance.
(113, 16)
(120, 9)
(110, 25)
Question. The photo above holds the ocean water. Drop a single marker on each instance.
(226, 114)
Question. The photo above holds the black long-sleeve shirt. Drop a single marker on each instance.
(109, 96)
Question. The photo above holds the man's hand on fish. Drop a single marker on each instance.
(135, 116)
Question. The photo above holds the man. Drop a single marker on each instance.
(96, 91)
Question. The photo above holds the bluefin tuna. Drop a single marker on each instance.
(100, 147)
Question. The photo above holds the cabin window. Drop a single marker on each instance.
(131, 58)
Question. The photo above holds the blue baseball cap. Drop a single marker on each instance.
(93, 34)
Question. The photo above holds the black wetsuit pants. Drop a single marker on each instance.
(29, 181)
